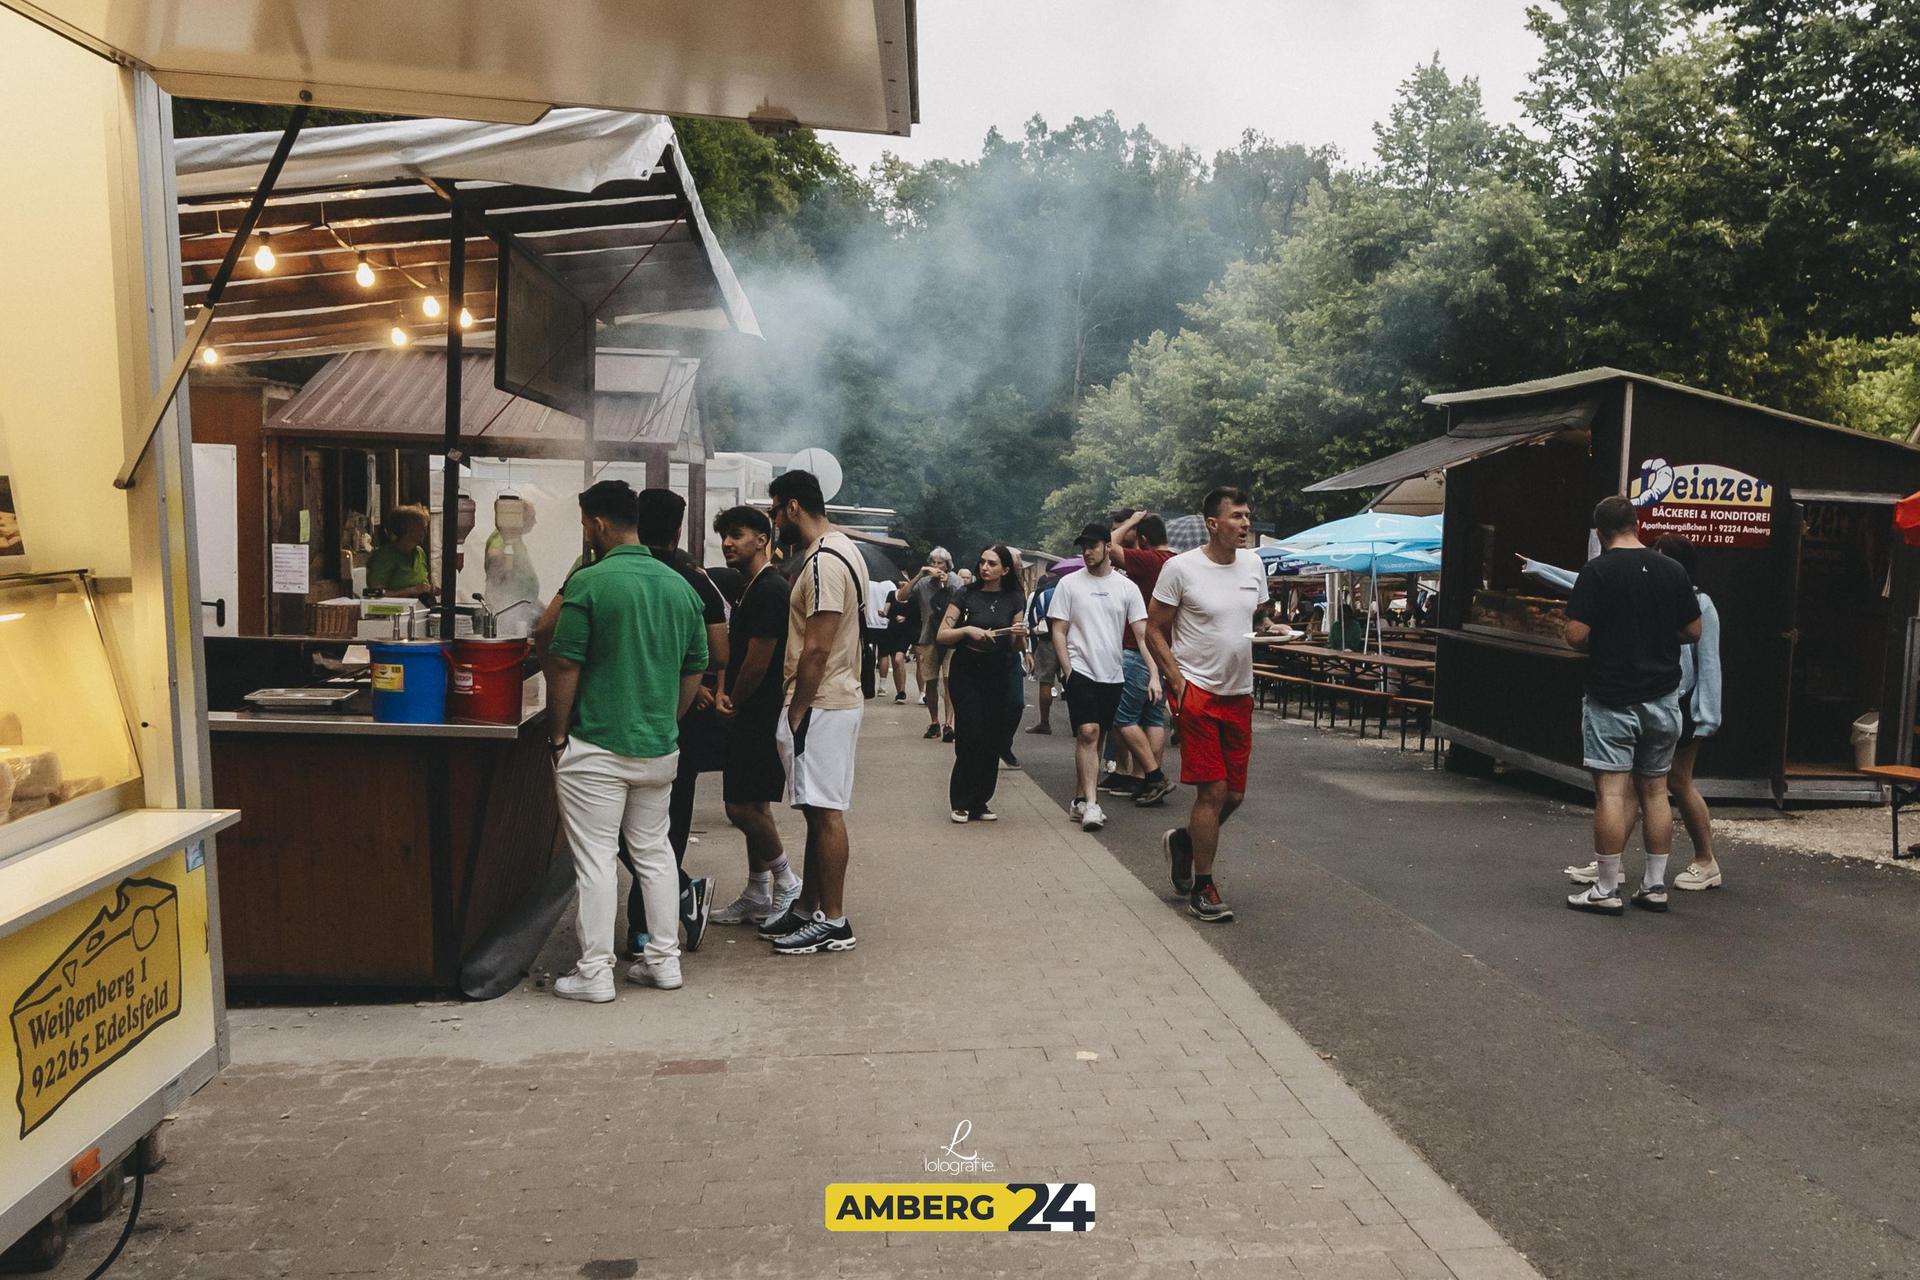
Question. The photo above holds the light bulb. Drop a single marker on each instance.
(466, 318)
(263, 256)
(363, 274)
(430, 305)
(398, 336)
(209, 356)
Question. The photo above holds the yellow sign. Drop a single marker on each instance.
(112, 986)
(389, 677)
(960, 1206)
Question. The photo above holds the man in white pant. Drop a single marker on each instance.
(625, 660)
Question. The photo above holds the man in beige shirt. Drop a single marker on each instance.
(819, 731)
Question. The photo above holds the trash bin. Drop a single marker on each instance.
(1866, 740)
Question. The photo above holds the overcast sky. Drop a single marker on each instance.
(1195, 71)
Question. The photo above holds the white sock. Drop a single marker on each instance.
(782, 871)
(1656, 869)
(1609, 872)
(760, 884)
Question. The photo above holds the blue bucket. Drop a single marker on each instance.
(410, 682)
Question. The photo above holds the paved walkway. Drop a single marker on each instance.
(1015, 976)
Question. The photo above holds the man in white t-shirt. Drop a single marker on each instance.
(1091, 611)
(1200, 633)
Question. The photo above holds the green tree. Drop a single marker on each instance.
(1590, 50)
(1436, 141)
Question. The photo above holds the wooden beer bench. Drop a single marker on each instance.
(1904, 782)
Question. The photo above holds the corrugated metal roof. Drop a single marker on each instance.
(1603, 374)
(399, 398)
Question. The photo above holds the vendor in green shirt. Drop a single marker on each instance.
(400, 567)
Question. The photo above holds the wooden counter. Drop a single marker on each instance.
(374, 857)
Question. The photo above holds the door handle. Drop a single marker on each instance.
(219, 608)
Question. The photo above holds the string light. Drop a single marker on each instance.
(263, 256)
(430, 305)
(209, 356)
(363, 274)
(466, 318)
(398, 336)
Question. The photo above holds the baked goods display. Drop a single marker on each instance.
(31, 780)
(1538, 618)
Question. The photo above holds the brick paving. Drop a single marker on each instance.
(1014, 975)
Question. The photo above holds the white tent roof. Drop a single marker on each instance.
(830, 64)
(604, 197)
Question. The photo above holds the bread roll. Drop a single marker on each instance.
(21, 808)
(74, 788)
(35, 770)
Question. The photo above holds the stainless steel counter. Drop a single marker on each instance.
(533, 704)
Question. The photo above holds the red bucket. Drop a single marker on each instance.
(486, 680)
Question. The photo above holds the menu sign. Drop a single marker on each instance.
(1710, 505)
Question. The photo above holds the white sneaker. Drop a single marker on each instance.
(1588, 874)
(664, 974)
(1077, 810)
(594, 990)
(742, 910)
(959, 816)
(1093, 819)
(783, 899)
(1693, 878)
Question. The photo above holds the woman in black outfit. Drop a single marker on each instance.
(986, 627)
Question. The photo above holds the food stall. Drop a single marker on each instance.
(110, 919)
(1792, 518)
(455, 836)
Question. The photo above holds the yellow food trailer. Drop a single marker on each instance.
(110, 960)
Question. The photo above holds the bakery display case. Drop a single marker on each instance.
(1514, 615)
(64, 730)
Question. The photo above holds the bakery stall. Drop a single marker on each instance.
(1792, 518)
(111, 946)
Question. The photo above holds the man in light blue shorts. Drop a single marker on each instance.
(1631, 611)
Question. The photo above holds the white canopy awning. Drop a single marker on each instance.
(830, 64)
(603, 197)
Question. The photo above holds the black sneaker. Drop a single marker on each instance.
(1179, 850)
(1008, 760)
(933, 731)
(1153, 792)
(814, 936)
(1115, 784)
(946, 734)
(1650, 897)
(900, 697)
(1205, 904)
(696, 902)
(789, 922)
(984, 814)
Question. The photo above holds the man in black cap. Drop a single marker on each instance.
(1091, 611)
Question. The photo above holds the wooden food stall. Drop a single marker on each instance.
(438, 835)
(1793, 521)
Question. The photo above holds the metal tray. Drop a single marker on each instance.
(300, 699)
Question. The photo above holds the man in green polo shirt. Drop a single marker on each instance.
(626, 657)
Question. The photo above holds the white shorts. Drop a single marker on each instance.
(819, 759)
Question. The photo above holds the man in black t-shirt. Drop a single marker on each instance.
(702, 736)
(1631, 611)
(749, 704)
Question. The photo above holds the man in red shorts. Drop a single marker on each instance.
(1199, 628)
